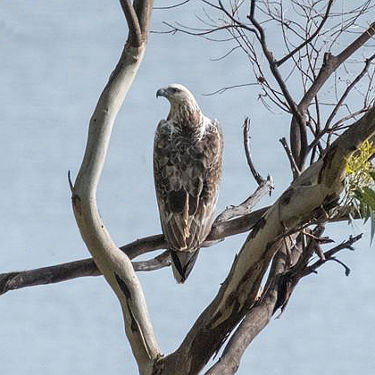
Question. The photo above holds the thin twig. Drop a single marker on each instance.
(246, 140)
(308, 40)
(246, 206)
(172, 6)
(293, 164)
(347, 91)
(329, 255)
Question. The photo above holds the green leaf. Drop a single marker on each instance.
(368, 195)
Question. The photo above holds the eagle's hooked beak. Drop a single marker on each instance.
(161, 92)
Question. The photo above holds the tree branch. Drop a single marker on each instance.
(295, 170)
(254, 322)
(317, 187)
(87, 267)
(330, 64)
(310, 39)
(272, 63)
(68, 271)
(110, 260)
(347, 91)
(143, 9)
(135, 33)
(246, 139)
(243, 209)
(298, 135)
(329, 255)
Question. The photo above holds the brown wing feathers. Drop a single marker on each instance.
(187, 169)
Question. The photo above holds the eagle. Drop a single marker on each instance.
(188, 150)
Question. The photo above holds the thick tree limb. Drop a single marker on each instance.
(87, 267)
(281, 282)
(110, 260)
(135, 33)
(67, 271)
(314, 189)
(254, 322)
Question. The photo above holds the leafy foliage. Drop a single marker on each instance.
(359, 190)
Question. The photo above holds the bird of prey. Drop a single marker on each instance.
(187, 170)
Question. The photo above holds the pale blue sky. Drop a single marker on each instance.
(55, 57)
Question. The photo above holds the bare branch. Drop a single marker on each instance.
(245, 207)
(347, 91)
(329, 255)
(309, 39)
(110, 260)
(172, 6)
(293, 164)
(87, 267)
(223, 89)
(161, 261)
(272, 62)
(135, 34)
(331, 63)
(298, 129)
(67, 271)
(236, 21)
(246, 139)
(316, 187)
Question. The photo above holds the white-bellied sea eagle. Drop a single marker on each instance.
(187, 169)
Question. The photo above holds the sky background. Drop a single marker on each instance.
(55, 58)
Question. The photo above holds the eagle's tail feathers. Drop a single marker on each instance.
(182, 264)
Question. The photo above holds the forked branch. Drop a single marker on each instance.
(111, 261)
(317, 187)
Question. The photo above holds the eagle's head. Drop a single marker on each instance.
(183, 103)
(176, 93)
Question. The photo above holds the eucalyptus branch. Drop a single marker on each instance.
(347, 91)
(272, 63)
(87, 267)
(246, 139)
(110, 260)
(68, 271)
(329, 255)
(295, 170)
(310, 38)
(330, 65)
(317, 186)
(232, 212)
(135, 34)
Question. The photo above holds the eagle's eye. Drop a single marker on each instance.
(174, 90)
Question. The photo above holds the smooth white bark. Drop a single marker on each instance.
(111, 261)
